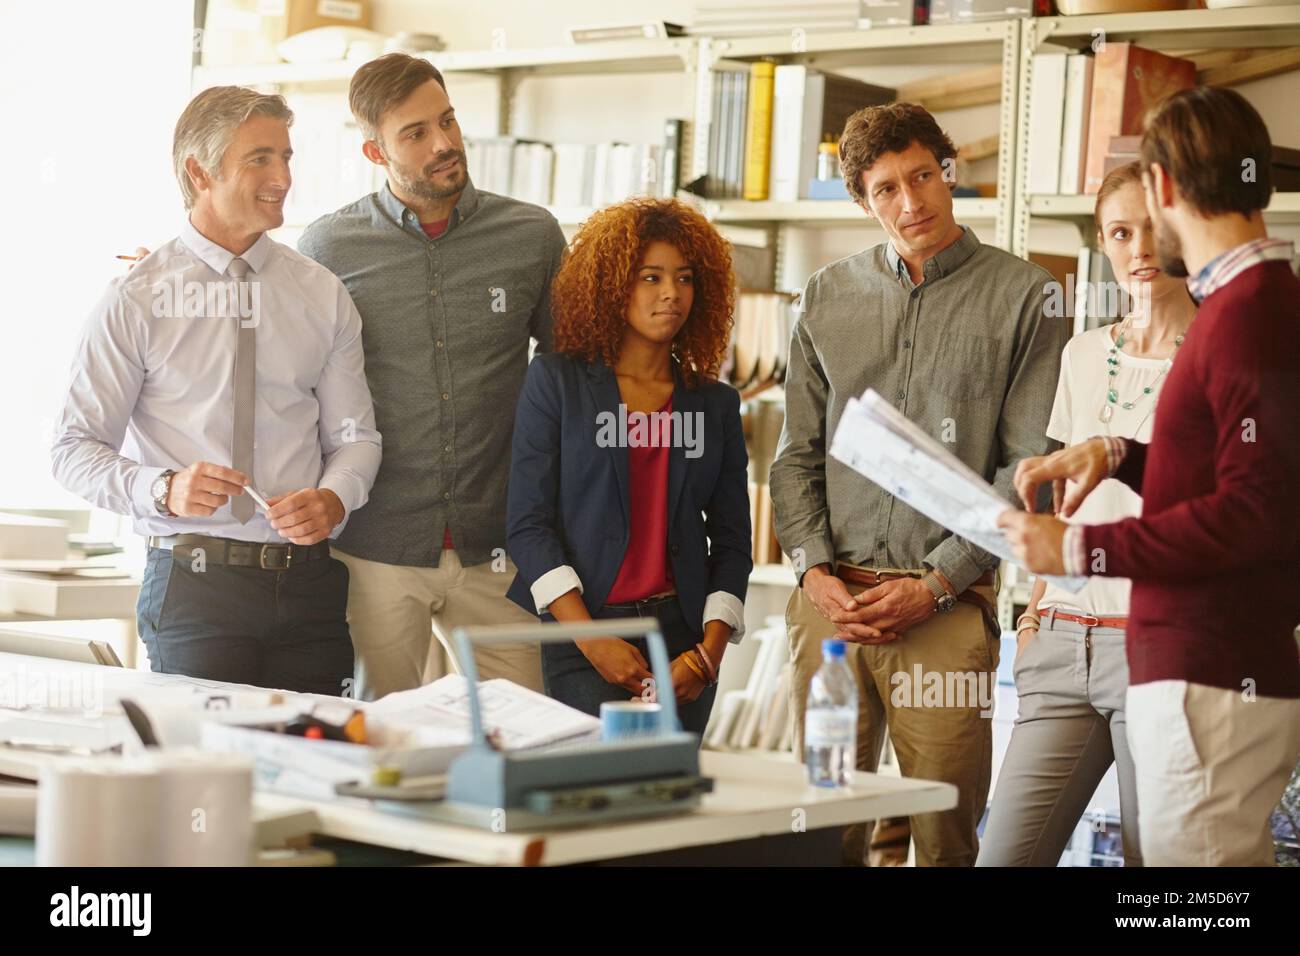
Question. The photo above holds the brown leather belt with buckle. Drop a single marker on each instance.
(245, 554)
(1087, 620)
(864, 577)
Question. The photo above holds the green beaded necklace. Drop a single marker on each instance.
(1112, 362)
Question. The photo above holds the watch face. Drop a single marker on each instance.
(159, 492)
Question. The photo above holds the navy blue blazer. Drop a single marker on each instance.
(567, 500)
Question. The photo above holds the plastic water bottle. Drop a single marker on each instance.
(830, 722)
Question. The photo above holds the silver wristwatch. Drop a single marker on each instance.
(159, 490)
(943, 601)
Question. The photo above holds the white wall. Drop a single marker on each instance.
(89, 96)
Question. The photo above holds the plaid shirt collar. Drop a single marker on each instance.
(1225, 267)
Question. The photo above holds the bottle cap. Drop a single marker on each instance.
(832, 647)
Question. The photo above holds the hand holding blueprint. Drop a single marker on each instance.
(878, 441)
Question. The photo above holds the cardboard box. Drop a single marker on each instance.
(303, 15)
(244, 32)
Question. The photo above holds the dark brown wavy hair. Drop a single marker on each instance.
(590, 294)
(875, 130)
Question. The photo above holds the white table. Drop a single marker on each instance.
(755, 798)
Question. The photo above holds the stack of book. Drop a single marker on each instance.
(575, 174)
(1084, 108)
(767, 123)
(37, 576)
(760, 338)
(758, 716)
(766, 548)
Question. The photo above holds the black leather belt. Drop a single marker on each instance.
(246, 554)
(642, 605)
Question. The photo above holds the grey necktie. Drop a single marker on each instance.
(241, 442)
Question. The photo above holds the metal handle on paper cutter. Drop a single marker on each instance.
(465, 637)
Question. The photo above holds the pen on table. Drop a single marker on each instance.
(131, 258)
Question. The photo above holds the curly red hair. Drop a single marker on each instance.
(590, 293)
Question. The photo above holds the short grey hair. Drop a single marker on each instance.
(208, 124)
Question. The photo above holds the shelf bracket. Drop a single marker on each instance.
(507, 87)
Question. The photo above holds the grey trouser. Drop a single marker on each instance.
(1072, 681)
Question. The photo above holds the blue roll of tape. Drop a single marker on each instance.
(628, 718)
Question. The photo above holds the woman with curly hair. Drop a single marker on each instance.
(628, 493)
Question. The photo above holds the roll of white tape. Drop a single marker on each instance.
(166, 808)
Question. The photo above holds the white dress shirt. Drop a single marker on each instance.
(153, 389)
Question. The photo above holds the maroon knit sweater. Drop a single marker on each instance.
(1215, 555)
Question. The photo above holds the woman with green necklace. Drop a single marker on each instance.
(1070, 669)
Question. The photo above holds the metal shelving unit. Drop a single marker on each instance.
(1284, 208)
(996, 42)
(508, 65)
(990, 43)
(1175, 32)
(1010, 43)
(1175, 29)
(804, 212)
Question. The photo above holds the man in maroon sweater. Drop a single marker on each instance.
(1214, 668)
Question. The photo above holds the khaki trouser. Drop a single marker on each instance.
(395, 611)
(1072, 681)
(935, 738)
(1211, 767)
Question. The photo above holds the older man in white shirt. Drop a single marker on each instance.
(223, 365)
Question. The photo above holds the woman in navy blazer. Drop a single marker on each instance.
(628, 492)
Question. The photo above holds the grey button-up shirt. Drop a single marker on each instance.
(446, 325)
(968, 355)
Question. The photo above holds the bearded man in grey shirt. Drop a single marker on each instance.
(451, 284)
(953, 333)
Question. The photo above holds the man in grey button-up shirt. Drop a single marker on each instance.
(451, 284)
(952, 332)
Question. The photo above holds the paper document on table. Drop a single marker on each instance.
(878, 441)
(517, 717)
